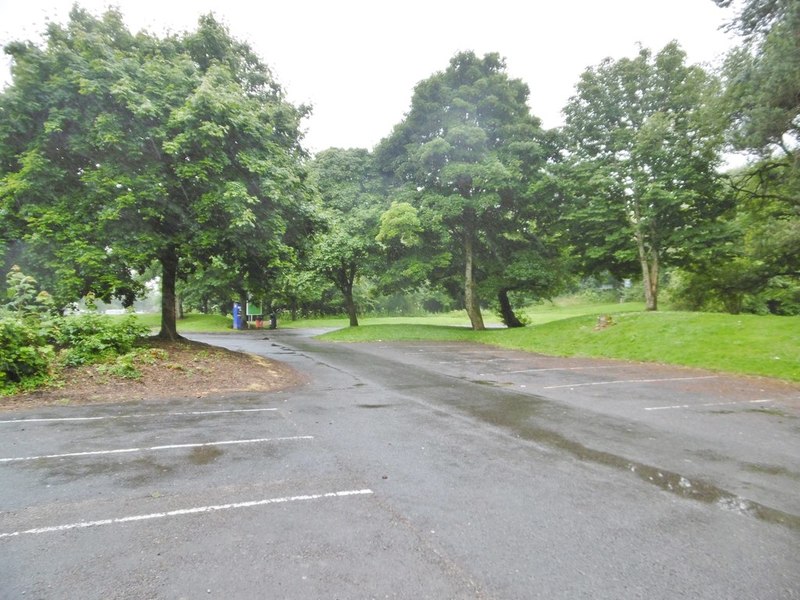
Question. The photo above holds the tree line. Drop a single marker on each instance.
(127, 156)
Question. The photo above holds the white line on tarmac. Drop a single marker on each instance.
(139, 416)
(156, 448)
(573, 385)
(676, 406)
(187, 511)
(560, 369)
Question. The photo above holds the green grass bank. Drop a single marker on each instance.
(745, 344)
(767, 346)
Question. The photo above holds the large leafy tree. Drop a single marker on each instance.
(763, 77)
(352, 202)
(468, 148)
(762, 80)
(119, 150)
(641, 183)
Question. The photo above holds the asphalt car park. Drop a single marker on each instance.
(411, 471)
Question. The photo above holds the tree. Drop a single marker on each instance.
(762, 79)
(121, 149)
(352, 202)
(468, 149)
(640, 181)
(756, 18)
(759, 266)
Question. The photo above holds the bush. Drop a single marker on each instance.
(93, 338)
(29, 330)
(25, 321)
(24, 352)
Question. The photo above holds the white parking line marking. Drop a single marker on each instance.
(139, 416)
(560, 369)
(676, 406)
(573, 385)
(156, 448)
(187, 511)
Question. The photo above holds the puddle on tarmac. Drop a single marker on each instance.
(203, 455)
(498, 384)
(514, 412)
(771, 470)
(133, 473)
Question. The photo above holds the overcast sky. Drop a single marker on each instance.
(357, 61)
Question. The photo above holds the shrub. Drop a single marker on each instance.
(92, 338)
(24, 352)
(25, 322)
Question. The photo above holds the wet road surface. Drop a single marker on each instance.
(412, 471)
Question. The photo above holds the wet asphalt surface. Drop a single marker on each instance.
(412, 471)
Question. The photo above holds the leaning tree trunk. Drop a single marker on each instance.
(169, 275)
(506, 312)
(471, 301)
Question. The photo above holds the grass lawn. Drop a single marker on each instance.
(193, 323)
(745, 344)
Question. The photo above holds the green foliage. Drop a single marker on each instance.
(469, 156)
(641, 187)
(400, 224)
(25, 321)
(744, 344)
(34, 342)
(93, 338)
(762, 87)
(126, 366)
(756, 264)
(763, 77)
(353, 199)
(119, 150)
(24, 352)
(123, 367)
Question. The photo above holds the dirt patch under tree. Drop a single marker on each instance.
(182, 369)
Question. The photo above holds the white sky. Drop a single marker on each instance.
(357, 61)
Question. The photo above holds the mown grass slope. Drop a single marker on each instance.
(746, 344)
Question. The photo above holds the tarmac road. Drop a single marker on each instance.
(412, 471)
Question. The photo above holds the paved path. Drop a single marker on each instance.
(412, 471)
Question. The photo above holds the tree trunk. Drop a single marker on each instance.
(243, 304)
(506, 312)
(649, 273)
(169, 275)
(350, 305)
(471, 302)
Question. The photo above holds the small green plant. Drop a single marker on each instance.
(123, 366)
(127, 365)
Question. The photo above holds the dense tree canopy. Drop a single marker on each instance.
(469, 146)
(124, 155)
(118, 150)
(353, 200)
(642, 185)
(762, 97)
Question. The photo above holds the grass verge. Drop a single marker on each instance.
(744, 344)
